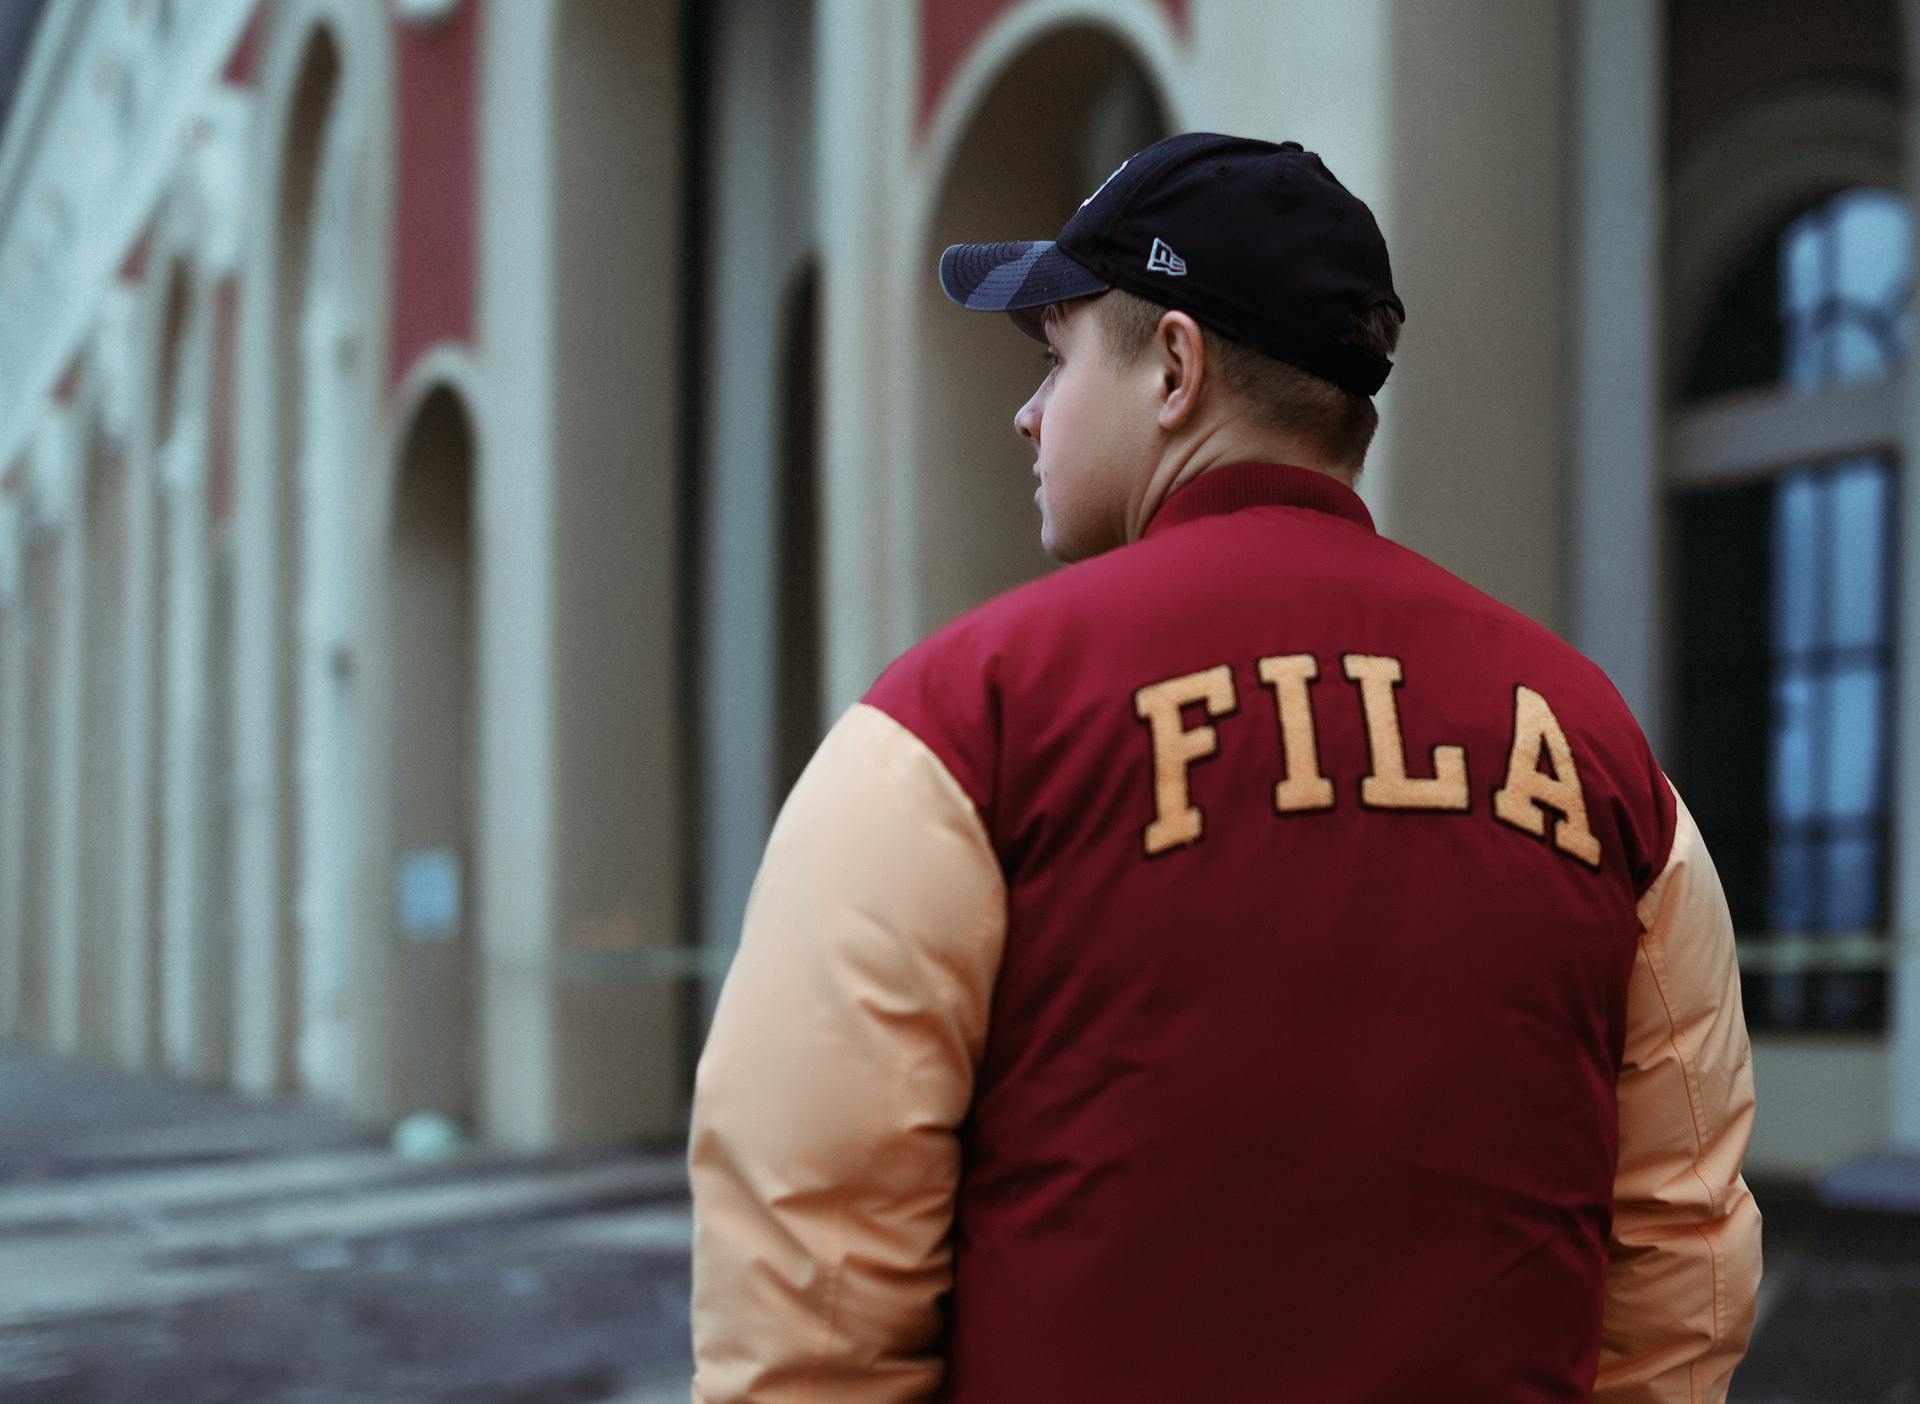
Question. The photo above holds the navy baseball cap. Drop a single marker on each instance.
(1255, 240)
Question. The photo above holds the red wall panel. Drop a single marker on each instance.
(246, 53)
(433, 235)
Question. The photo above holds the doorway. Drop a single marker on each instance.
(432, 730)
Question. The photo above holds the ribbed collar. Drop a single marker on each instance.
(1233, 486)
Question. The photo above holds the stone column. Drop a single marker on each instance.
(13, 753)
(1319, 72)
(1614, 299)
(581, 830)
(1481, 149)
(181, 487)
(61, 475)
(869, 290)
(137, 618)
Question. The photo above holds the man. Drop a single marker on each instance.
(1250, 964)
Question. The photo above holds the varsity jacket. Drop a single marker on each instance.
(1251, 964)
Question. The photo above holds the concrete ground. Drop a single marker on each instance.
(1839, 1308)
(162, 1244)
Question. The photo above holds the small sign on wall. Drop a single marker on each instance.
(430, 894)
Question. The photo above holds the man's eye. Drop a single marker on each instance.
(1050, 356)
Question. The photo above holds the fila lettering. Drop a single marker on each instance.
(1547, 804)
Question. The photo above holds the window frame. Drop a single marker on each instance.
(1770, 162)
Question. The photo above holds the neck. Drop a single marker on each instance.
(1214, 447)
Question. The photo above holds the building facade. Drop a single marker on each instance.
(457, 456)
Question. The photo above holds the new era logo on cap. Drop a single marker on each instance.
(1162, 259)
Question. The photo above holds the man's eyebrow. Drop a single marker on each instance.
(1050, 317)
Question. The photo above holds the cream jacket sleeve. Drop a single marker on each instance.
(1685, 1257)
(824, 1153)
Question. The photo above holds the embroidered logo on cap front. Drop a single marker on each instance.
(1164, 260)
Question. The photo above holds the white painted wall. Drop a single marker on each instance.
(1819, 1101)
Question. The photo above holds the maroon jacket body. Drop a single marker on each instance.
(1328, 1092)
(1325, 881)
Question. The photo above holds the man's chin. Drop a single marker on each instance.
(1063, 550)
(1049, 539)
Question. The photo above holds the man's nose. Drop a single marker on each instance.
(1026, 421)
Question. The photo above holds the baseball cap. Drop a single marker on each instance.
(1255, 240)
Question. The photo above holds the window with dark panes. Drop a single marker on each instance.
(1786, 605)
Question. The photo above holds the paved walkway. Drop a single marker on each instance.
(1840, 1308)
(159, 1242)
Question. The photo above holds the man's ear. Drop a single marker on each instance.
(1180, 361)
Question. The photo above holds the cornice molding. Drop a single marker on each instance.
(99, 135)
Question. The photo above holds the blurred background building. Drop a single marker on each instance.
(457, 456)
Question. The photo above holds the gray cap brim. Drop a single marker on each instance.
(1018, 278)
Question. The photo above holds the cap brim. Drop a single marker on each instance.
(1018, 278)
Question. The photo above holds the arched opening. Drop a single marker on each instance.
(1083, 89)
(432, 729)
(314, 106)
(102, 749)
(798, 566)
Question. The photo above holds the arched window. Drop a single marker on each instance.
(1824, 300)
(1786, 469)
(1846, 290)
